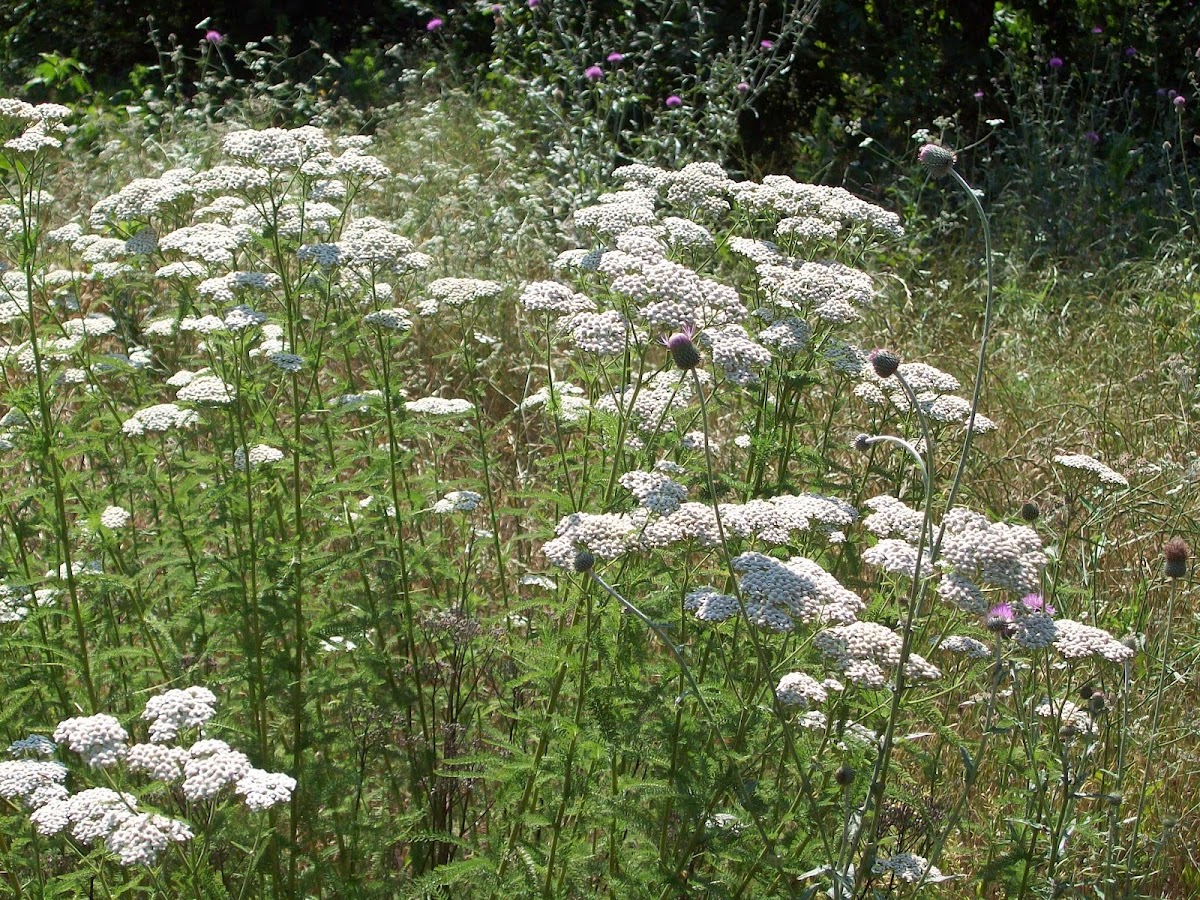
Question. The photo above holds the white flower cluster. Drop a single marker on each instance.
(555, 298)
(777, 594)
(891, 517)
(143, 199)
(35, 782)
(788, 335)
(1102, 473)
(114, 517)
(807, 229)
(1074, 640)
(1073, 719)
(968, 646)
(35, 745)
(458, 501)
(909, 868)
(1007, 556)
(647, 405)
(243, 317)
(801, 689)
(258, 455)
(97, 814)
(457, 293)
(786, 198)
(99, 739)
(710, 605)
(369, 243)
(738, 357)
(159, 761)
(618, 212)
(861, 649)
(225, 288)
(394, 319)
(654, 491)
(261, 790)
(604, 333)
(140, 839)
(209, 242)
(177, 710)
(567, 401)
(898, 557)
(830, 291)
(933, 389)
(207, 390)
(605, 535)
(210, 766)
(439, 406)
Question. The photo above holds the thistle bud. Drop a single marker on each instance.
(1030, 511)
(844, 776)
(683, 350)
(885, 362)
(1176, 556)
(862, 443)
(936, 159)
(584, 561)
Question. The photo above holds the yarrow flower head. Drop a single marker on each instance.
(99, 739)
(178, 710)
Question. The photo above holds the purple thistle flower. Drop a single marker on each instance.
(1093, 137)
(615, 57)
(593, 73)
(766, 45)
(1036, 603)
(1180, 101)
(1131, 52)
(433, 24)
(1096, 29)
(1001, 619)
(683, 348)
(1056, 62)
(674, 101)
(214, 37)
(743, 87)
(978, 95)
(1003, 611)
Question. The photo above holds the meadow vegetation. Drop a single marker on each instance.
(504, 486)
